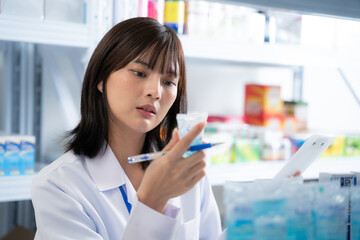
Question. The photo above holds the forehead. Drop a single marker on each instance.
(160, 60)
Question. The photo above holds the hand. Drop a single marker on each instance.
(172, 175)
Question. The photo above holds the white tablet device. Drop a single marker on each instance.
(307, 153)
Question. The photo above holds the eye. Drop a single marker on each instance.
(169, 83)
(139, 74)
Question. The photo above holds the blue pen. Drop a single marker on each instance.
(152, 156)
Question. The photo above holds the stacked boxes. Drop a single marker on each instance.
(263, 106)
(17, 155)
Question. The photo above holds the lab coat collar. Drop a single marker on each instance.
(105, 170)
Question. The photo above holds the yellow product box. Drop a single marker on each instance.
(247, 150)
(221, 154)
(174, 15)
(336, 149)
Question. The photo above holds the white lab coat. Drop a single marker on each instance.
(79, 198)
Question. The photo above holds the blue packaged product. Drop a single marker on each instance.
(270, 220)
(239, 211)
(27, 155)
(2, 151)
(11, 156)
(300, 221)
(355, 212)
(331, 212)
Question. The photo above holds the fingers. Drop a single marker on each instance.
(194, 159)
(175, 137)
(181, 147)
(196, 168)
(196, 178)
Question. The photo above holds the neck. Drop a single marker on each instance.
(125, 143)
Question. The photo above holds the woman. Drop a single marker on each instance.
(133, 88)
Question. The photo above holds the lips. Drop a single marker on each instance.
(148, 108)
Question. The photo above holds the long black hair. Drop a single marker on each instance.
(135, 38)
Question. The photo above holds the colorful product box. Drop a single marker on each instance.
(2, 152)
(225, 119)
(27, 155)
(221, 154)
(295, 116)
(352, 146)
(343, 179)
(17, 155)
(263, 106)
(174, 15)
(336, 149)
(11, 156)
(247, 150)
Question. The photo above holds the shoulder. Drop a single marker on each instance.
(68, 170)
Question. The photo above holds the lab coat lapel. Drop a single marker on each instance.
(105, 170)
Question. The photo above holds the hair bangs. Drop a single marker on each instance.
(164, 56)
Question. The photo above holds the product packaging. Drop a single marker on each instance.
(274, 146)
(352, 146)
(336, 149)
(289, 209)
(340, 179)
(263, 106)
(174, 15)
(27, 154)
(247, 149)
(222, 154)
(355, 212)
(331, 211)
(11, 159)
(2, 153)
(186, 122)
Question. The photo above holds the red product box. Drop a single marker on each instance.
(263, 106)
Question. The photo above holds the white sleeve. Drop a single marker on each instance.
(58, 215)
(148, 224)
(210, 223)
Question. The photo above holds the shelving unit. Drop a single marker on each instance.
(15, 188)
(345, 9)
(266, 54)
(44, 32)
(250, 171)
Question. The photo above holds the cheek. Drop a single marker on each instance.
(169, 99)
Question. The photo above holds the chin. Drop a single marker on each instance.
(144, 128)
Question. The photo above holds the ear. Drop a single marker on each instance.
(100, 86)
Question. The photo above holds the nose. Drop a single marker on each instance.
(153, 88)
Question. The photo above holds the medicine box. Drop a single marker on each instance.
(263, 106)
(2, 152)
(343, 179)
(11, 156)
(27, 154)
(17, 155)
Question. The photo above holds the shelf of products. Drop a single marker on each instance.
(250, 171)
(15, 188)
(265, 54)
(44, 32)
(348, 9)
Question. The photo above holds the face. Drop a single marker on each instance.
(139, 98)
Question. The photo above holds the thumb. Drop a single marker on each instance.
(175, 137)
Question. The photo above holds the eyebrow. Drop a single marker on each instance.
(147, 65)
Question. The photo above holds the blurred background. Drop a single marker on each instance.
(268, 73)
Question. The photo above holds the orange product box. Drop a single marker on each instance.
(263, 105)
